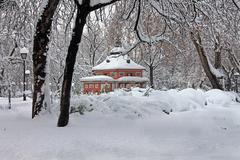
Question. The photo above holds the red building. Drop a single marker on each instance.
(117, 71)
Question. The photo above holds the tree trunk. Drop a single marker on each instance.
(200, 50)
(218, 57)
(40, 48)
(233, 60)
(80, 21)
(218, 60)
(151, 76)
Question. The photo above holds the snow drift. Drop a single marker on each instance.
(133, 104)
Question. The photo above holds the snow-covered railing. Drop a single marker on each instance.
(132, 79)
(101, 78)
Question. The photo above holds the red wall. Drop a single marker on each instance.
(96, 87)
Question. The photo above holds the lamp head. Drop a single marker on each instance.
(24, 51)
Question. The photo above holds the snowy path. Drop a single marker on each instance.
(202, 134)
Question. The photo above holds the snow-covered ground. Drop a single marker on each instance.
(127, 126)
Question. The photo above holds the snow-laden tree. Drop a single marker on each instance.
(93, 42)
(201, 21)
(84, 7)
(16, 31)
(60, 37)
(40, 49)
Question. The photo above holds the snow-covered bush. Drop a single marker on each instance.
(80, 105)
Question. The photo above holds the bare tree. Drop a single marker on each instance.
(152, 58)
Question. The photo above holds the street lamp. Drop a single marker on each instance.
(24, 52)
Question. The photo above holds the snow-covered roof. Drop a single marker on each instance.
(132, 79)
(24, 50)
(101, 78)
(236, 74)
(117, 62)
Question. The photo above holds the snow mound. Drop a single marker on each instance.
(219, 97)
(133, 104)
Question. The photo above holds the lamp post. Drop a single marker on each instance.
(24, 52)
(9, 96)
(27, 73)
(236, 75)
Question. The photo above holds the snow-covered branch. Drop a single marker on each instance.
(96, 4)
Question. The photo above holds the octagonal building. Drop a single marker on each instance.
(116, 71)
